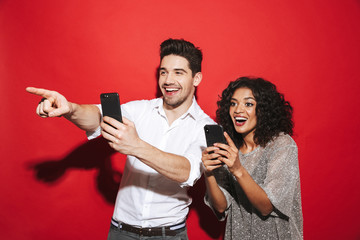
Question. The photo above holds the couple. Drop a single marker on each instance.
(253, 180)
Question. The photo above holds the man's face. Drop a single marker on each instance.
(176, 81)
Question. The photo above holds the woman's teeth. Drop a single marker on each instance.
(240, 119)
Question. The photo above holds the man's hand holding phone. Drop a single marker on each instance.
(122, 137)
(120, 132)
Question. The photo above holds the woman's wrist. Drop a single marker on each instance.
(239, 172)
(208, 173)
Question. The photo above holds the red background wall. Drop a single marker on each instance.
(55, 184)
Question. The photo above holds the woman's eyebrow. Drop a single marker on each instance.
(245, 98)
(252, 98)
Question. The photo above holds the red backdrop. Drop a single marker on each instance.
(55, 184)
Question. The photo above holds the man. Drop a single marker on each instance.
(163, 139)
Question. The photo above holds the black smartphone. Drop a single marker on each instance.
(214, 134)
(110, 105)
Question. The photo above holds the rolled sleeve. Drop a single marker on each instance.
(94, 134)
(195, 170)
(193, 155)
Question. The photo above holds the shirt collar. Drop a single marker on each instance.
(192, 111)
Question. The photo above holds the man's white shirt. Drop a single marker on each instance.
(145, 197)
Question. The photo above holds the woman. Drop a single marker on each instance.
(254, 179)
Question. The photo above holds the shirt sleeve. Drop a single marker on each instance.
(193, 155)
(124, 112)
(194, 152)
(94, 134)
(282, 178)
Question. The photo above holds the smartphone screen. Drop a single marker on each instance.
(214, 134)
(110, 105)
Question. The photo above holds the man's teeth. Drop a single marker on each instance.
(171, 89)
(240, 119)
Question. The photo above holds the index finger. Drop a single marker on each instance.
(229, 140)
(39, 91)
(210, 149)
(113, 122)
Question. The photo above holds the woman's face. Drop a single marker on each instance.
(243, 111)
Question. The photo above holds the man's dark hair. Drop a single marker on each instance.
(185, 49)
(273, 113)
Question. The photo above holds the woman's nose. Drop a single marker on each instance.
(239, 108)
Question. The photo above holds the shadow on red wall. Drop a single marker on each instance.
(207, 220)
(96, 154)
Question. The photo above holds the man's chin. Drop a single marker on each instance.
(173, 103)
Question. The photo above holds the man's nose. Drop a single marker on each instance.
(169, 79)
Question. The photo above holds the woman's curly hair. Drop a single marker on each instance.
(273, 113)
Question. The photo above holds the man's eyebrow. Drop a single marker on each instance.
(180, 69)
(175, 69)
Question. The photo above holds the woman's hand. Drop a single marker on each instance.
(216, 196)
(209, 159)
(229, 154)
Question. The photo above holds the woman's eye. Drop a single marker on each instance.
(232, 104)
(249, 104)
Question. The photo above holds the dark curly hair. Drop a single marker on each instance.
(273, 113)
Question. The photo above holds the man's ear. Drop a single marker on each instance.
(197, 79)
